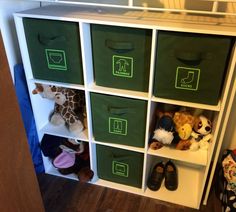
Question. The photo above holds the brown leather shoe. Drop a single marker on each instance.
(155, 179)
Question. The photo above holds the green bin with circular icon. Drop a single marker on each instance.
(54, 50)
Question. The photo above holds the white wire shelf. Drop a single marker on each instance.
(200, 7)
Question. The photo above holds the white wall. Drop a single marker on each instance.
(7, 27)
(230, 134)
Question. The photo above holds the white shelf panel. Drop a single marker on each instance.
(59, 84)
(130, 148)
(188, 181)
(198, 157)
(63, 132)
(53, 171)
(141, 19)
(118, 186)
(187, 104)
(187, 192)
(118, 92)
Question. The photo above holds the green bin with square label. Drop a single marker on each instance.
(54, 50)
(121, 57)
(119, 165)
(118, 120)
(191, 67)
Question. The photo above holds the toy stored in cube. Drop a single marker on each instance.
(69, 108)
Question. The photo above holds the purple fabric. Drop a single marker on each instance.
(64, 160)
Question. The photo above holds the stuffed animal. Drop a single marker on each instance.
(184, 122)
(201, 134)
(69, 108)
(163, 133)
(68, 156)
(79, 164)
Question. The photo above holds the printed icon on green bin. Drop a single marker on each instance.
(187, 78)
(118, 126)
(122, 66)
(120, 169)
(56, 59)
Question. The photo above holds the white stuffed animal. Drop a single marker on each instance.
(201, 134)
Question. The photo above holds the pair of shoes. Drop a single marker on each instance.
(161, 171)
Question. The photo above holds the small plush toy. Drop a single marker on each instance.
(74, 158)
(68, 156)
(184, 122)
(163, 133)
(69, 108)
(201, 134)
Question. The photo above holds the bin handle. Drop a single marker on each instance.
(119, 45)
(188, 56)
(119, 158)
(117, 110)
(47, 41)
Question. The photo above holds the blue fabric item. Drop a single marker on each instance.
(28, 117)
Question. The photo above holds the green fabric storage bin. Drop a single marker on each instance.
(121, 57)
(54, 50)
(120, 166)
(118, 120)
(190, 67)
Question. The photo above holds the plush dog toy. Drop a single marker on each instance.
(201, 134)
(69, 108)
(74, 158)
(68, 156)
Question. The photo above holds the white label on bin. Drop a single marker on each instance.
(120, 169)
(122, 66)
(187, 78)
(56, 59)
(118, 126)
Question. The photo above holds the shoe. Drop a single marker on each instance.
(157, 176)
(171, 176)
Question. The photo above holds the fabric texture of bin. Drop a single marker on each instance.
(121, 57)
(118, 120)
(190, 67)
(54, 50)
(120, 166)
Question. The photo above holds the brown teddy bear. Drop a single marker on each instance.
(184, 123)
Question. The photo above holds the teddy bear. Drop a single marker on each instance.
(164, 131)
(69, 108)
(201, 133)
(184, 123)
(68, 156)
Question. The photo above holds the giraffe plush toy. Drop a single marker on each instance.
(69, 108)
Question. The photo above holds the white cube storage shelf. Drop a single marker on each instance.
(193, 167)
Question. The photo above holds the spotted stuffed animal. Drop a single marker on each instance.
(69, 108)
